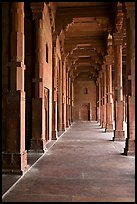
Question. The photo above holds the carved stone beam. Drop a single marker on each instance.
(130, 8)
(61, 24)
(52, 12)
(84, 11)
(119, 17)
(37, 9)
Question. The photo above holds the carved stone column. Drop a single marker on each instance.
(119, 134)
(69, 97)
(98, 99)
(104, 96)
(4, 66)
(59, 100)
(99, 90)
(72, 118)
(67, 91)
(109, 104)
(71, 100)
(54, 91)
(101, 99)
(38, 141)
(119, 105)
(130, 140)
(64, 97)
(14, 158)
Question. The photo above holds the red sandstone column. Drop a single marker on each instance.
(99, 108)
(67, 91)
(119, 105)
(104, 96)
(54, 91)
(97, 99)
(101, 99)
(64, 97)
(4, 66)
(38, 141)
(59, 101)
(109, 105)
(71, 100)
(69, 97)
(72, 118)
(14, 158)
(109, 99)
(118, 87)
(130, 140)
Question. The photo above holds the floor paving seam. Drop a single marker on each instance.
(91, 171)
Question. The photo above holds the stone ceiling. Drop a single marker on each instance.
(83, 28)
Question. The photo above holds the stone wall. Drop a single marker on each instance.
(84, 95)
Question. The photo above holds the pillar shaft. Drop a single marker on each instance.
(99, 105)
(64, 97)
(104, 96)
(59, 100)
(67, 91)
(15, 156)
(54, 91)
(101, 99)
(71, 99)
(109, 105)
(130, 140)
(38, 140)
(97, 100)
(119, 105)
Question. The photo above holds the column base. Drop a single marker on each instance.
(103, 125)
(38, 145)
(63, 127)
(109, 128)
(54, 135)
(129, 150)
(119, 135)
(98, 121)
(14, 163)
(67, 124)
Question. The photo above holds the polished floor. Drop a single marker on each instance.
(83, 165)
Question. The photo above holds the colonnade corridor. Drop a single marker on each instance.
(83, 165)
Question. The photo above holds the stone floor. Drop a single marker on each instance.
(83, 165)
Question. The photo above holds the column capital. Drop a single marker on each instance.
(118, 38)
(109, 59)
(109, 49)
(119, 17)
(130, 11)
(130, 8)
(104, 66)
(17, 5)
(37, 9)
(100, 73)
